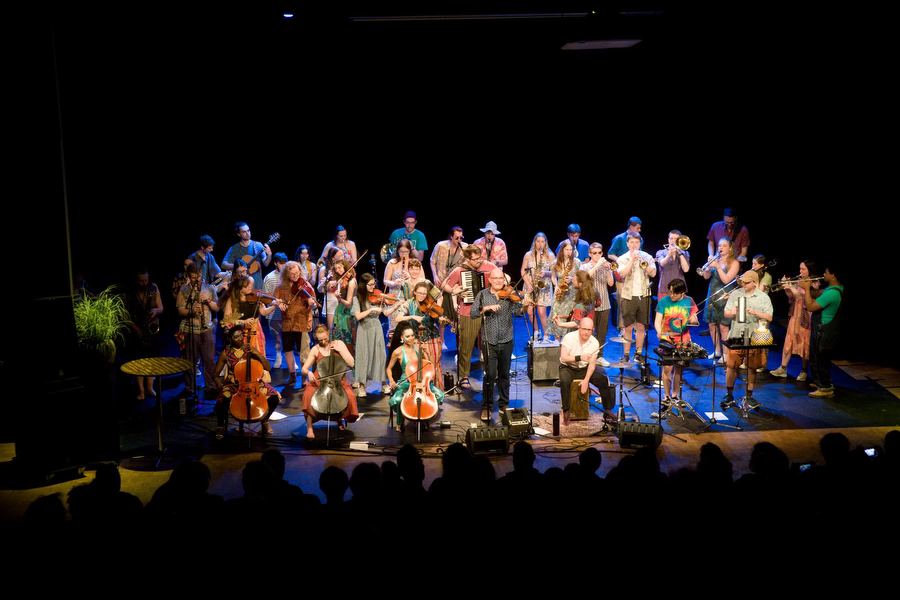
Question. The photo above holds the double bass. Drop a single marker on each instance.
(419, 402)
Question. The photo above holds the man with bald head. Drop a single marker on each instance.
(497, 308)
(578, 354)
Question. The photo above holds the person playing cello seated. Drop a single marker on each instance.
(236, 350)
(332, 360)
(408, 354)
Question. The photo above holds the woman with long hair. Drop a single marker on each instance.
(535, 272)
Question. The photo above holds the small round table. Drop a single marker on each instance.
(157, 367)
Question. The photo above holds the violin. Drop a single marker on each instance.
(258, 296)
(379, 297)
(302, 286)
(509, 293)
(430, 307)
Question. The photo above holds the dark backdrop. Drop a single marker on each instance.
(177, 122)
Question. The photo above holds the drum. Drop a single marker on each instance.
(578, 402)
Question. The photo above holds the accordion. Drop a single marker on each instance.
(472, 282)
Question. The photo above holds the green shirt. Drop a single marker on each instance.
(830, 300)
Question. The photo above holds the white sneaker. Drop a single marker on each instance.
(361, 392)
(603, 362)
(277, 363)
(779, 372)
(801, 376)
(386, 390)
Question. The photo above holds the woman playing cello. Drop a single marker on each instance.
(332, 360)
(229, 386)
(408, 355)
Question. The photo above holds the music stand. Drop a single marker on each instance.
(158, 367)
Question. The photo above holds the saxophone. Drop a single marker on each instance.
(563, 286)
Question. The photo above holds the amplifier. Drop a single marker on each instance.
(543, 363)
(488, 439)
(516, 421)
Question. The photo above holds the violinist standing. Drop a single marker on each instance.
(296, 302)
(370, 354)
(243, 308)
(421, 309)
(497, 303)
(234, 352)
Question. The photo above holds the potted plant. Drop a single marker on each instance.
(100, 321)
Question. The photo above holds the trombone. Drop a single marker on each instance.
(683, 242)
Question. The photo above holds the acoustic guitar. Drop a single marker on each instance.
(254, 262)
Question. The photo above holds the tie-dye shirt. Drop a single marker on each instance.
(675, 316)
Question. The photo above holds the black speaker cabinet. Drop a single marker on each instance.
(639, 435)
(488, 439)
(543, 363)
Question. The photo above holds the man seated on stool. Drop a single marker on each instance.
(578, 360)
(759, 308)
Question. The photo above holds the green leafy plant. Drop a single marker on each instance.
(101, 320)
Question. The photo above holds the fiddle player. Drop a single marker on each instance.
(330, 358)
(578, 354)
(270, 282)
(228, 386)
(429, 327)
(296, 308)
(369, 349)
(243, 307)
(674, 312)
(469, 326)
(408, 356)
(497, 303)
(759, 308)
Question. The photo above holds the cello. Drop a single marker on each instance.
(419, 402)
(251, 401)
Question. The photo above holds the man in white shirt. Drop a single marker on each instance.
(578, 360)
(636, 267)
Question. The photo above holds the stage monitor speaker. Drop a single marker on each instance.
(639, 435)
(516, 420)
(543, 363)
(488, 439)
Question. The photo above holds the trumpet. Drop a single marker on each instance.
(704, 268)
(643, 264)
(784, 283)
